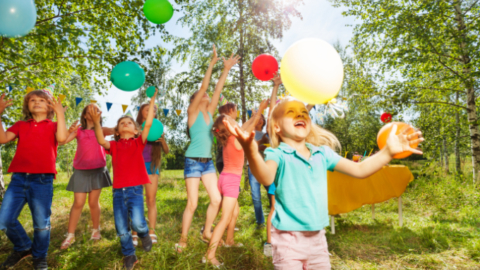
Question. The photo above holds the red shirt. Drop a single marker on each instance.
(127, 161)
(36, 148)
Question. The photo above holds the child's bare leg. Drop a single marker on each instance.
(269, 219)
(192, 201)
(228, 207)
(231, 226)
(95, 210)
(76, 211)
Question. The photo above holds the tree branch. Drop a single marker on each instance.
(470, 8)
(64, 15)
(440, 89)
(51, 59)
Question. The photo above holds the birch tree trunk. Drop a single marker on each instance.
(469, 86)
(445, 155)
(458, 167)
(2, 182)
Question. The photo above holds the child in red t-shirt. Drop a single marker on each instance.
(33, 168)
(129, 174)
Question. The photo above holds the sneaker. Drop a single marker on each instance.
(147, 243)
(129, 262)
(14, 258)
(267, 250)
(40, 264)
(261, 226)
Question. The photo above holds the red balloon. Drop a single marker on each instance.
(264, 67)
(386, 117)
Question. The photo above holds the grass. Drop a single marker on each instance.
(441, 229)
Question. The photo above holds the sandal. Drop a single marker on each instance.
(178, 248)
(234, 245)
(204, 260)
(135, 240)
(96, 238)
(154, 238)
(68, 241)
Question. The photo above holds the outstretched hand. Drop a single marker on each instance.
(215, 57)
(277, 79)
(230, 62)
(246, 140)
(56, 105)
(263, 105)
(4, 103)
(402, 142)
(95, 114)
(74, 127)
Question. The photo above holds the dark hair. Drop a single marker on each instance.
(156, 153)
(263, 119)
(83, 121)
(27, 115)
(117, 136)
(220, 131)
(227, 108)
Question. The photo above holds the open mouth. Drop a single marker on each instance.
(301, 124)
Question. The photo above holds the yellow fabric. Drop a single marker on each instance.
(346, 193)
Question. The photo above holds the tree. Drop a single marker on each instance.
(411, 41)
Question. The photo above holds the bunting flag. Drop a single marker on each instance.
(346, 152)
(178, 112)
(165, 111)
(9, 88)
(78, 100)
(249, 113)
(61, 97)
(238, 113)
(129, 113)
(124, 107)
(93, 101)
(29, 89)
(222, 100)
(109, 105)
(138, 108)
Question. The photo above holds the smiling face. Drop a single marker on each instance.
(292, 121)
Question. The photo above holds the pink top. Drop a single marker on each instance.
(233, 158)
(90, 155)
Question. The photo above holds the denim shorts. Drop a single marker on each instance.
(196, 169)
(149, 171)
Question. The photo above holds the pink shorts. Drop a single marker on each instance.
(300, 250)
(229, 185)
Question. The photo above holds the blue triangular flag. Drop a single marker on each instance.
(109, 105)
(138, 108)
(249, 113)
(9, 88)
(78, 100)
(165, 111)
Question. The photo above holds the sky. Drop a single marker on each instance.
(320, 20)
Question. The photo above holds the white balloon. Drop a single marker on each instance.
(312, 71)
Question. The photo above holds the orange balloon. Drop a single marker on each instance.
(385, 131)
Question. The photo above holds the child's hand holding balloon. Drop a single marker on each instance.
(401, 142)
(277, 79)
(4, 103)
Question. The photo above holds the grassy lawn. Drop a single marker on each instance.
(441, 231)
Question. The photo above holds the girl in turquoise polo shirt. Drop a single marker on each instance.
(297, 163)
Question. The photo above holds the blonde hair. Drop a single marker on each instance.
(317, 136)
(27, 115)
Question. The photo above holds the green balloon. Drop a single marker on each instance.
(158, 11)
(156, 130)
(150, 91)
(127, 76)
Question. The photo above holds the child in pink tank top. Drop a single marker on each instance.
(89, 177)
(229, 181)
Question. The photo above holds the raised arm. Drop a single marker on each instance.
(249, 126)
(395, 144)
(96, 115)
(5, 136)
(310, 107)
(108, 131)
(62, 132)
(277, 81)
(227, 66)
(72, 132)
(150, 116)
(206, 81)
(263, 171)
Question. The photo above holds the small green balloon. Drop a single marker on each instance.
(156, 130)
(150, 91)
(127, 76)
(158, 11)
